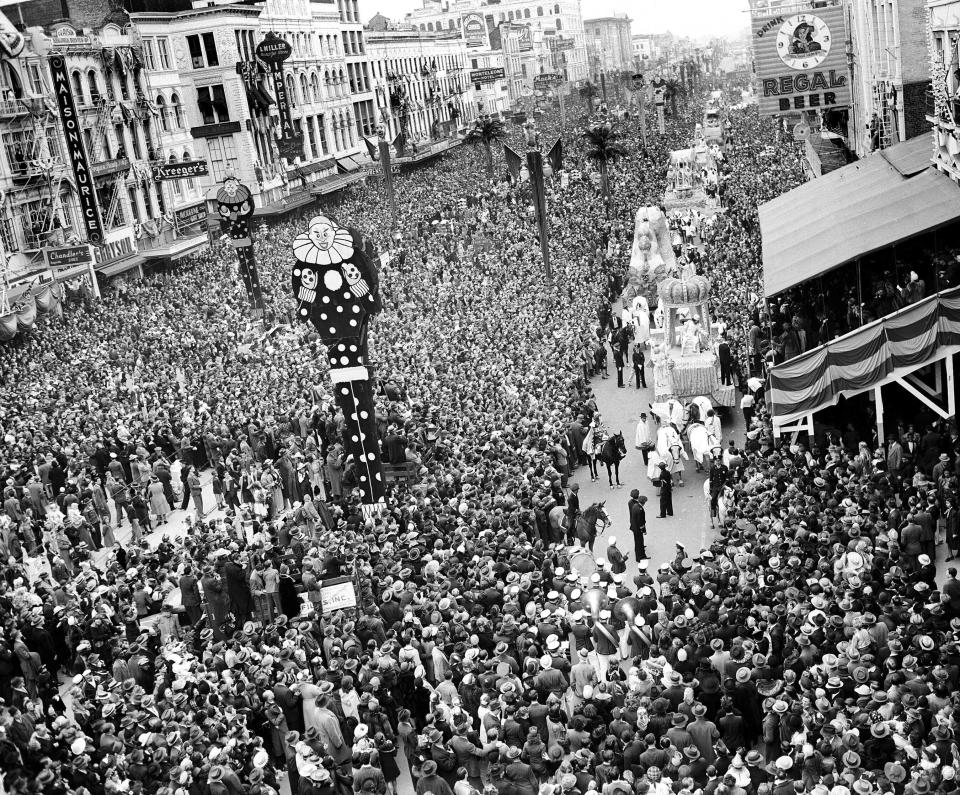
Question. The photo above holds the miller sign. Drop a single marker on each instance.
(802, 61)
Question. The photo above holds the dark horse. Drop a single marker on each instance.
(613, 451)
(587, 524)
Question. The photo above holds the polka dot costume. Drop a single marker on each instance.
(336, 288)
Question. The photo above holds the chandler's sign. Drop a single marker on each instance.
(801, 60)
(87, 195)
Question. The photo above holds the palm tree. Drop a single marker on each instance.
(588, 92)
(671, 91)
(603, 147)
(485, 131)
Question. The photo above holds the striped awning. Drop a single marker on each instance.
(876, 354)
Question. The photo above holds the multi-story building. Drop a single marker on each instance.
(890, 72)
(421, 82)
(553, 20)
(43, 210)
(944, 20)
(643, 50)
(609, 44)
(493, 97)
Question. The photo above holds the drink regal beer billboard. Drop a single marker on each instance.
(474, 30)
(801, 61)
(76, 152)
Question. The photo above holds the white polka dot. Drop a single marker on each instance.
(323, 316)
(326, 299)
(344, 360)
(333, 360)
(345, 391)
(355, 438)
(364, 414)
(296, 271)
(353, 322)
(379, 476)
(341, 347)
(353, 348)
(355, 309)
(353, 416)
(333, 330)
(363, 478)
(370, 456)
(332, 280)
(303, 312)
(370, 298)
(339, 308)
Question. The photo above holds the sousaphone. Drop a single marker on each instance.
(596, 599)
(626, 609)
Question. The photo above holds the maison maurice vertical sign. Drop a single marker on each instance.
(72, 126)
(273, 51)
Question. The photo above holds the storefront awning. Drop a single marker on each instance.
(851, 212)
(334, 182)
(284, 205)
(347, 164)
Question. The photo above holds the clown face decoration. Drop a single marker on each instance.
(334, 281)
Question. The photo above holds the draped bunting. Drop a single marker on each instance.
(8, 327)
(27, 315)
(514, 162)
(890, 347)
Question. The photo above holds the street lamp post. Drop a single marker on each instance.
(535, 173)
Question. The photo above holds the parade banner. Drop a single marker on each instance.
(474, 30)
(801, 61)
(274, 51)
(76, 152)
(489, 75)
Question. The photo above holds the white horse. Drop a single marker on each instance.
(667, 437)
(702, 443)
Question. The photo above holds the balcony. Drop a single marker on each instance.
(12, 107)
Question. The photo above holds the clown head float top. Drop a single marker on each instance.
(335, 283)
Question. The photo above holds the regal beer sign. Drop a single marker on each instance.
(76, 153)
(801, 61)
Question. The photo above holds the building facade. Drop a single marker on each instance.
(609, 44)
(944, 115)
(549, 22)
(421, 82)
(890, 71)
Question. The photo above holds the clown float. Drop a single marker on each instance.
(336, 286)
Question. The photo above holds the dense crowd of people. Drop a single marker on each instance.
(808, 648)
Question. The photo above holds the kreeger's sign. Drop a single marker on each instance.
(185, 170)
(801, 61)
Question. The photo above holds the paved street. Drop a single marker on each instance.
(690, 525)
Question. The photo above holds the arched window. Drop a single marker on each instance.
(559, 25)
(292, 91)
(341, 80)
(164, 119)
(315, 87)
(510, 14)
(556, 9)
(176, 112)
(539, 11)
(76, 83)
(526, 13)
(303, 88)
(191, 182)
(93, 86)
(430, 26)
(175, 183)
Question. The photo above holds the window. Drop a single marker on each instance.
(556, 9)
(191, 182)
(303, 89)
(223, 156)
(94, 88)
(77, 84)
(212, 103)
(124, 86)
(149, 58)
(315, 87)
(291, 92)
(526, 13)
(164, 118)
(163, 52)
(134, 206)
(121, 140)
(559, 25)
(203, 50)
(176, 112)
(311, 136)
(36, 80)
(324, 148)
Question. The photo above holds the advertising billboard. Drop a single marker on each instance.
(525, 39)
(474, 30)
(801, 61)
(489, 75)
